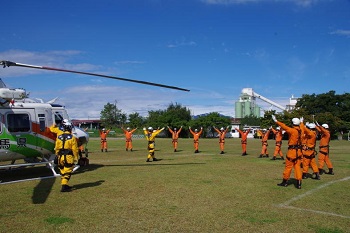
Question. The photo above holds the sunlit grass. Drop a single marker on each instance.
(184, 192)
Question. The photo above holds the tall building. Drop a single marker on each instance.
(246, 106)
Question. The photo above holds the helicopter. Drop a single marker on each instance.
(24, 124)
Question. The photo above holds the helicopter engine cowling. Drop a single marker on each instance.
(81, 135)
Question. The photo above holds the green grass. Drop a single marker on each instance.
(184, 192)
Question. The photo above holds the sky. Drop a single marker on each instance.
(214, 48)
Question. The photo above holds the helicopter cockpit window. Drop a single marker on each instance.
(58, 118)
(18, 122)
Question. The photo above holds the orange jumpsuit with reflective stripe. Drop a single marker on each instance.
(264, 138)
(244, 136)
(128, 138)
(278, 138)
(308, 149)
(222, 134)
(294, 153)
(196, 136)
(103, 136)
(323, 155)
(175, 136)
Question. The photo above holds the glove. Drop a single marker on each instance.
(317, 123)
(144, 128)
(274, 118)
(301, 119)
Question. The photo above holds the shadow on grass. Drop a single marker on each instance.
(88, 185)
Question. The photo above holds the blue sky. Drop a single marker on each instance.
(215, 48)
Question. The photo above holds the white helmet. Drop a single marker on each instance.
(278, 128)
(325, 126)
(196, 130)
(150, 129)
(65, 121)
(128, 128)
(222, 129)
(311, 125)
(296, 121)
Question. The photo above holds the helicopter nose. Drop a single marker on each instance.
(81, 135)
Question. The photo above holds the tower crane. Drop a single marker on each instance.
(250, 92)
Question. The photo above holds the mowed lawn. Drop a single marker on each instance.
(184, 192)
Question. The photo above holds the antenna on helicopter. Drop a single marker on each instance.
(10, 63)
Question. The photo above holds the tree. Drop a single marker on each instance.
(111, 116)
(208, 121)
(135, 120)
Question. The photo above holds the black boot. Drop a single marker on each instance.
(148, 160)
(284, 183)
(260, 156)
(155, 159)
(304, 175)
(298, 184)
(282, 158)
(321, 171)
(66, 188)
(273, 158)
(330, 172)
(222, 152)
(317, 176)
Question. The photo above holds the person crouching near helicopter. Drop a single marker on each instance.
(150, 136)
(67, 152)
(294, 154)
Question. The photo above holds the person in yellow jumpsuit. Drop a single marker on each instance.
(278, 137)
(175, 136)
(294, 154)
(196, 136)
(128, 137)
(103, 136)
(323, 155)
(150, 135)
(67, 152)
(221, 133)
(308, 149)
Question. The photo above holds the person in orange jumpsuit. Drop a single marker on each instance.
(128, 137)
(278, 137)
(175, 136)
(221, 133)
(264, 137)
(103, 136)
(323, 156)
(308, 149)
(294, 154)
(196, 136)
(244, 136)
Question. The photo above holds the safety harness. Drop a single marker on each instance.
(64, 152)
(296, 148)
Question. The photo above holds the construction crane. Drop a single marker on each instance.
(250, 92)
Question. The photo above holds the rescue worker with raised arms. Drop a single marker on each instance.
(244, 136)
(150, 137)
(221, 133)
(175, 136)
(128, 137)
(294, 154)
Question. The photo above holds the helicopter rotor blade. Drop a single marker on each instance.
(10, 63)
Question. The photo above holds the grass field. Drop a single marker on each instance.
(184, 192)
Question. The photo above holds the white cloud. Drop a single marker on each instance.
(341, 33)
